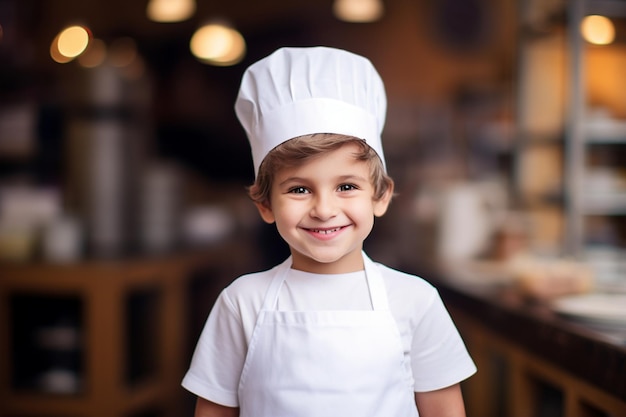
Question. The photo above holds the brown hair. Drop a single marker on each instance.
(307, 147)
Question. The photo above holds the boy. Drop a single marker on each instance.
(328, 332)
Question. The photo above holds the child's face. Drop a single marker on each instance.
(324, 209)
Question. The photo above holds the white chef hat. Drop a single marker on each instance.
(299, 91)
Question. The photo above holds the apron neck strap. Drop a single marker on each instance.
(280, 274)
(378, 292)
(375, 283)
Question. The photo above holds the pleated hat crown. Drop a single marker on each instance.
(299, 91)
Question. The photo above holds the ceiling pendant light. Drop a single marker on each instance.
(218, 44)
(598, 30)
(70, 43)
(360, 11)
(170, 10)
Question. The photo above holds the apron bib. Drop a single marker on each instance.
(326, 363)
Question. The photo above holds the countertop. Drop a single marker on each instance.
(595, 355)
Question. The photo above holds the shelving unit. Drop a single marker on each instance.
(571, 112)
(593, 192)
(130, 321)
(539, 153)
(571, 148)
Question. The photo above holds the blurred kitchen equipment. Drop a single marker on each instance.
(548, 278)
(17, 242)
(24, 210)
(159, 206)
(207, 224)
(106, 141)
(608, 264)
(59, 343)
(100, 175)
(468, 216)
(596, 309)
(62, 240)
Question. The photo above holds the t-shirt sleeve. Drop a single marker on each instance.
(219, 356)
(439, 357)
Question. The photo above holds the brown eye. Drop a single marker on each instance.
(347, 187)
(298, 190)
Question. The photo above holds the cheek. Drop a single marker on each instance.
(287, 214)
(363, 211)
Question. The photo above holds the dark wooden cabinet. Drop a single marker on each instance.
(127, 335)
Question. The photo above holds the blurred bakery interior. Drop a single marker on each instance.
(123, 174)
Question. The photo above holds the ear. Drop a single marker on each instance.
(381, 205)
(266, 212)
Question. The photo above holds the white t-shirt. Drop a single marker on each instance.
(432, 345)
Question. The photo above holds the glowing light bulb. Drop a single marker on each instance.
(55, 54)
(170, 10)
(597, 29)
(72, 41)
(358, 10)
(218, 44)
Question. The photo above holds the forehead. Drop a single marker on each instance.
(341, 161)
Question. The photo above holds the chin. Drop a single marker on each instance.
(329, 259)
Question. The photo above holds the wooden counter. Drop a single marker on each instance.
(533, 362)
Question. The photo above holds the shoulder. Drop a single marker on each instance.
(403, 281)
(411, 298)
(250, 282)
(246, 293)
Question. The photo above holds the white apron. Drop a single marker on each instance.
(326, 363)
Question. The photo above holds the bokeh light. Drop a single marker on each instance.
(218, 44)
(170, 10)
(73, 41)
(55, 54)
(358, 10)
(94, 55)
(598, 30)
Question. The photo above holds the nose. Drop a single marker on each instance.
(324, 206)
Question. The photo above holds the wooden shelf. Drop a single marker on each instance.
(610, 204)
(605, 134)
(104, 288)
(588, 132)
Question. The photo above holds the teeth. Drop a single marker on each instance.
(327, 231)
